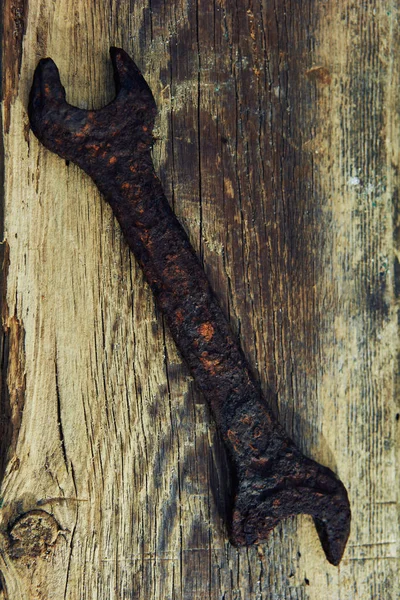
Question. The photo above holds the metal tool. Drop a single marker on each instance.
(271, 478)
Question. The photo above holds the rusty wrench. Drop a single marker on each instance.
(272, 478)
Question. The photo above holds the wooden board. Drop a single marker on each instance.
(278, 148)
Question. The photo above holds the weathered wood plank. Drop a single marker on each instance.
(278, 148)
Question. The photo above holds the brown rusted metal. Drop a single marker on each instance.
(272, 478)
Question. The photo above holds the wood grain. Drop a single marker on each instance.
(278, 149)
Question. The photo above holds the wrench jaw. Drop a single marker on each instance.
(60, 127)
(257, 511)
(91, 138)
(129, 80)
(46, 102)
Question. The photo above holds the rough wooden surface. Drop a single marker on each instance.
(278, 148)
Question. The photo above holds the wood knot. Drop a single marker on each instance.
(33, 534)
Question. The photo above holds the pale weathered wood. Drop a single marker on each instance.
(278, 148)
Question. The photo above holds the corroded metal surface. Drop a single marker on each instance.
(272, 478)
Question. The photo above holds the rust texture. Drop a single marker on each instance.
(272, 479)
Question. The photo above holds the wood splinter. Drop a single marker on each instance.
(272, 479)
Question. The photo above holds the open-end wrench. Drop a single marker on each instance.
(272, 479)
